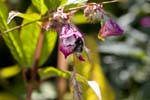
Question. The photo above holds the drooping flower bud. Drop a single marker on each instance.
(110, 28)
(71, 41)
(94, 12)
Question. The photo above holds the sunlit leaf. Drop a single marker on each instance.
(49, 41)
(10, 71)
(40, 5)
(11, 38)
(29, 35)
(68, 2)
(54, 72)
(79, 19)
(27, 16)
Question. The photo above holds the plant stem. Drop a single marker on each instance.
(76, 86)
(113, 1)
(29, 92)
(61, 83)
(34, 82)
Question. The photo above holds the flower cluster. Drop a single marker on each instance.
(71, 39)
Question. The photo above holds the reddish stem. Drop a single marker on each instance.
(29, 92)
(62, 83)
(33, 72)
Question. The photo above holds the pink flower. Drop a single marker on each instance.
(110, 28)
(71, 41)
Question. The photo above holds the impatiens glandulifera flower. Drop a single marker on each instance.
(94, 12)
(110, 28)
(71, 41)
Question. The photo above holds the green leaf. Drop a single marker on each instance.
(29, 35)
(52, 4)
(54, 72)
(7, 96)
(31, 17)
(49, 41)
(11, 38)
(40, 5)
(79, 19)
(9, 71)
(63, 2)
(68, 2)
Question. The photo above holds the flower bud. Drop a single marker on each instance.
(110, 28)
(94, 12)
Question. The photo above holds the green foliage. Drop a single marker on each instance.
(40, 5)
(50, 38)
(30, 16)
(79, 19)
(12, 38)
(54, 72)
(28, 38)
(70, 2)
(29, 35)
(9, 71)
(52, 4)
(6, 96)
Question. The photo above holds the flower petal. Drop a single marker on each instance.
(110, 28)
(66, 50)
(69, 30)
(80, 57)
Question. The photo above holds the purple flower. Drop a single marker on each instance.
(110, 28)
(71, 41)
(145, 22)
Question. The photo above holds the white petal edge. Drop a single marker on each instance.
(95, 87)
(11, 15)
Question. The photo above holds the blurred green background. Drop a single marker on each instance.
(125, 60)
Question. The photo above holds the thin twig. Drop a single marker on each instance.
(22, 25)
(77, 8)
(113, 1)
(77, 92)
(83, 6)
